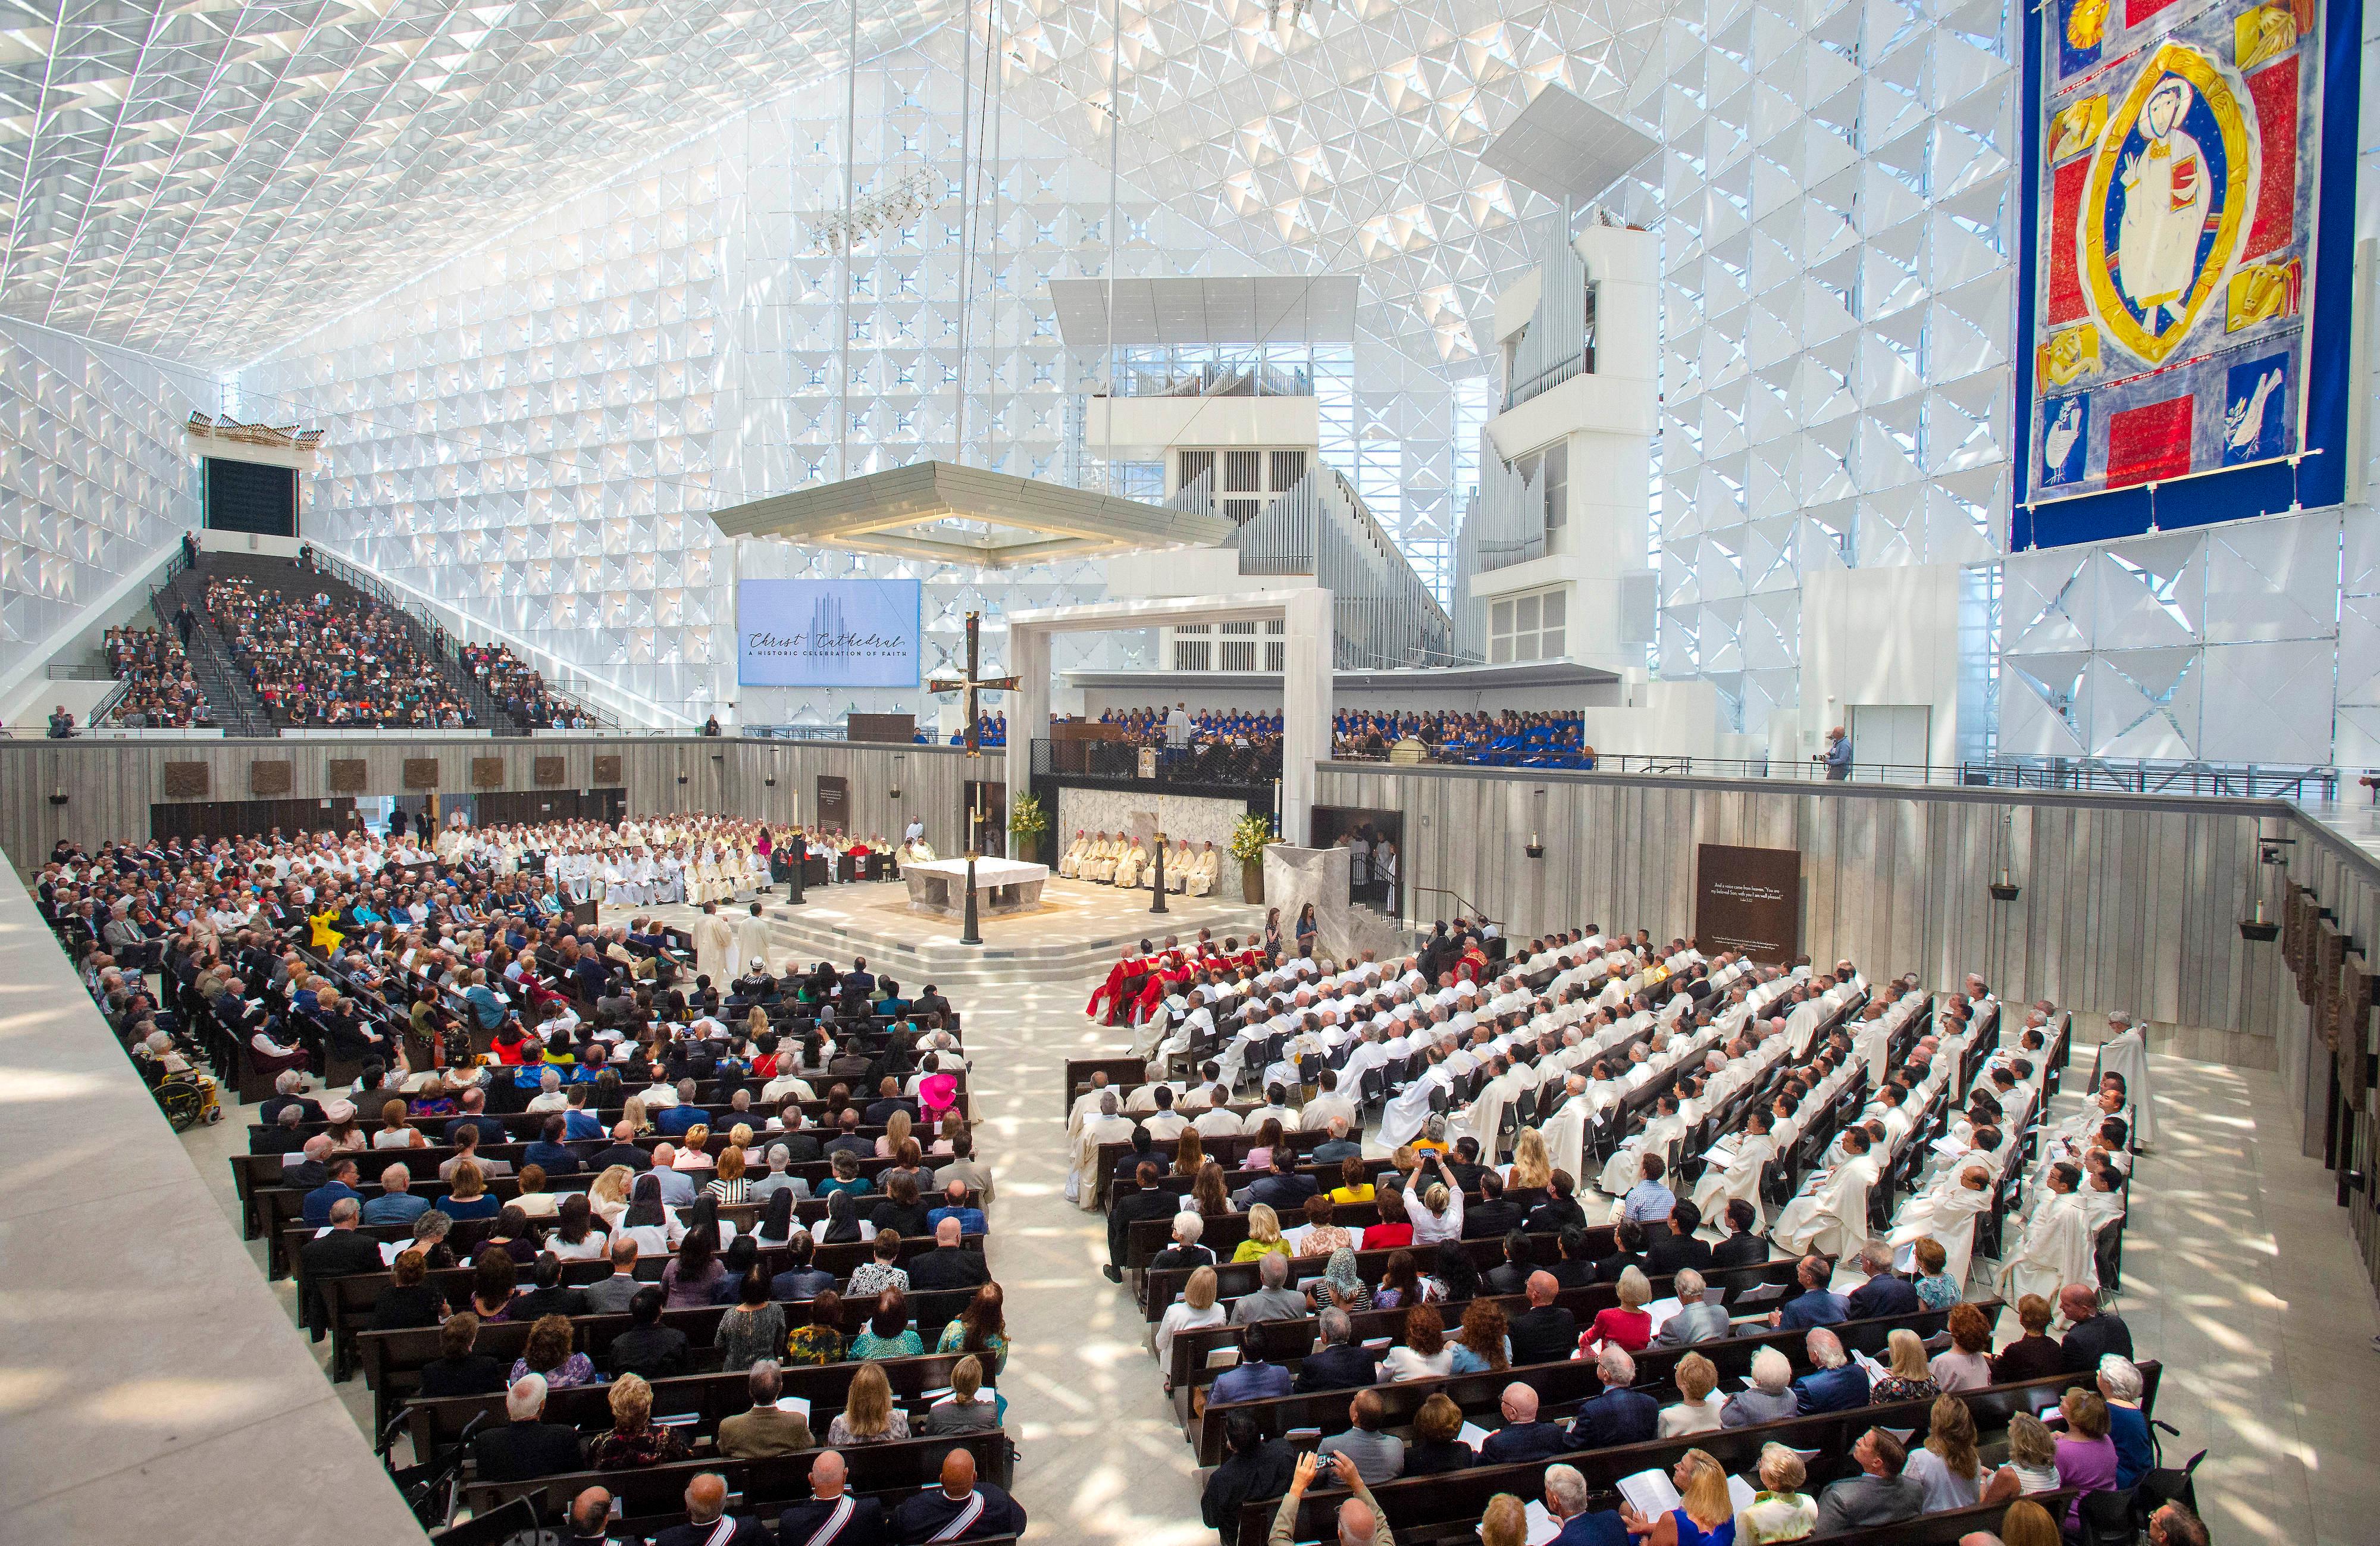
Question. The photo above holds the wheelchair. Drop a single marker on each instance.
(187, 1100)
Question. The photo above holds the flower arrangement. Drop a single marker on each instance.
(1027, 821)
(1251, 835)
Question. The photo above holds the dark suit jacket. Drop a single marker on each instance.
(1616, 1416)
(1831, 1389)
(865, 1526)
(1123, 1210)
(1819, 1309)
(1740, 1250)
(626, 1154)
(520, 1451)
(957, 1268)
(1869, 1500)
(1611, 1267)
(1506, 1278)
(1669, 1252)
(748, 1532)
(337, 1254)
(1336, 1368)
(1283, 1194)
(1490, 1220)
(652, 1351)
(1544, 1335)
(2087, 1341)
(1883, 1295)
(1516, 1443)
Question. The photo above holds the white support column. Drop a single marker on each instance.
(1305, 698)
(1028, 717)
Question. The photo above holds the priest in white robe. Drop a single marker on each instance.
(1626, 1165)
(714, 946)
(1565, 1130)
(1830, 1216)
(1948, 1215)
(2127, 1052)
(1109, 1126)
(2055, 1249)
(1205, 869)
(1748, 1153)
(752, 938)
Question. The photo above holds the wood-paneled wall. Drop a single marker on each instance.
(111, 785)
(2125, 903)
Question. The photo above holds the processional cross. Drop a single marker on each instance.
(974, 683)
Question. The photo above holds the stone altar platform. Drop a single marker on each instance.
(1076, 930)
(1001, 885)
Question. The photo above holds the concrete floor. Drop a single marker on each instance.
(2237, 1275)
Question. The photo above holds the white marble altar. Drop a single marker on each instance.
(1001, 885)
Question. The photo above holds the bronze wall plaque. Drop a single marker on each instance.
(1748, 899)
(607, 769)
(269, 778)
(487, 773)
(186, 779)
(550, 771)
(422, 772)
(350, 775)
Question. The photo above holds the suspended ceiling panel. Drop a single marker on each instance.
(1253, 308)
(210, 179)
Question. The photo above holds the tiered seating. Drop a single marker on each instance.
(331, 980)
(353, 665)
(1588, 1007)
(160, 691)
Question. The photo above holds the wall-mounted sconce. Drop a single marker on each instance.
(1534, 848)
(58, 796)
(895, 789)
(2260, 928)
(681, 778)
(770, 781)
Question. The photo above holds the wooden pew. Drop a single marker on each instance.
(392, 1361)
(347, 1301)
(653, 1497)
(1429, 1507)
(436, 1425)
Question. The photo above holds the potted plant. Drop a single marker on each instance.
(1027, 824)
(1251, 835)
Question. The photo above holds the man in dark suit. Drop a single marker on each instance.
(548, 1152)
(1145, 1201)
(1340, 1365)
(1545, 1332)
(1282, 1190)
(1576, 1267)
(1465, 1163)
(1629, 1235)
(1523, 1438)
(1677, 1247)
(552, 1295)
(340, 1253)
(340, 1187)
(1491, 1216)
(1619, 1416)
(947, 1265)
(526, 1448)
(474, 1105)
(621, 1151)
(590, 1522)
(647, 1347)
(888, 1101)
(960, 1507)
(1741, 1248)
(2094, 1332)
(1566, 1498)
(1559, 1212)
(1883, 1293)
(1814, 1306)
(1834, 1383)
(832, 1515)
(1511, 1275)
(706, 1521)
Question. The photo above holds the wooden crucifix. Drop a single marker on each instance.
(974, 683)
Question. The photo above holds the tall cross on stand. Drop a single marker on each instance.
(972, 683)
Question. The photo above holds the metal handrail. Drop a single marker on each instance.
(1463, 905)
(2137, 776)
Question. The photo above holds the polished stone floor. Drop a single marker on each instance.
(2237, 1274)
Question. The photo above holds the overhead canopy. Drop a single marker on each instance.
(1243, 309)
(1565, 147)
(949, 514)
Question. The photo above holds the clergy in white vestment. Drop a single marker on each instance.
(1405, 1115)
(1627, 1162)
(752, 937)
(1203, 870)
(714, 946)
(1085, 1106)
(1946, 1216)
(1485, 1115)
(2127, 1052)
(1129, 864)
(1872, 1044)
(1565, 1130)
(1830, 1216)
(1746, 1155)
(2056, 1248)
(1109, 1126)
(1070, 863)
